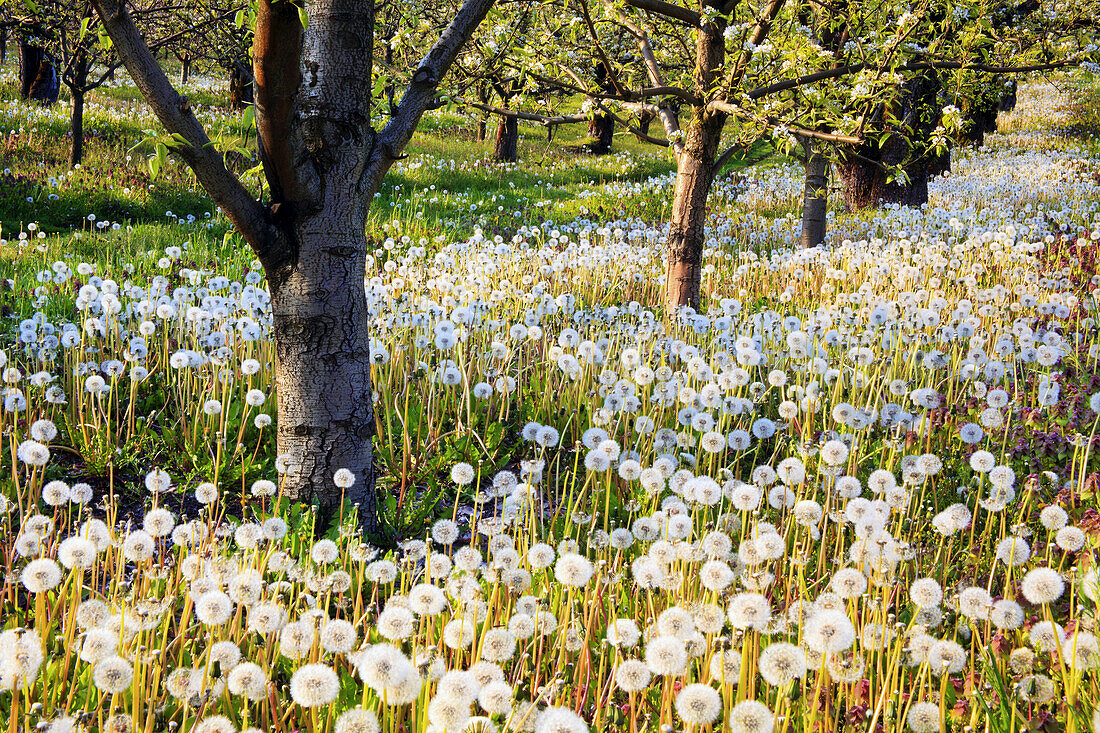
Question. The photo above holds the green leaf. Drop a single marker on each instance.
(303, 17)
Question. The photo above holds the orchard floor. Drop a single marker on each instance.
(855, 491)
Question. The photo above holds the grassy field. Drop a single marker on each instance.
(855, 491)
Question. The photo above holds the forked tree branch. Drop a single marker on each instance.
(174, 112)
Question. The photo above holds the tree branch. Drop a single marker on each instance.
(668, 119)
(526, 116)
(734, 110)
(174, 112)
(920, 66)
(668, 10)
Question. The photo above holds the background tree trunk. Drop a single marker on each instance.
(185, 68)
(864, 174)
(862, 182)
(30, 58)
(37, 76)
(240, 88)
(601, 128)
(76, 117)
(482, 128)
(507, 140)
(645, 117)
(815, 196)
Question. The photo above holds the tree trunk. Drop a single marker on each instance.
(185, 69)
(815, 196)
(913, 191)
(37, 75)
(322, 367)
(862, 183)
(76, 146)
(602, 129)
(324, 162)
(30, 59)
(694, 177)
(1008, 101)
(644, 120)
(76, 117)
(687, 230)
(507, 140)
(482, 128)
(240, 88)
(940, 163)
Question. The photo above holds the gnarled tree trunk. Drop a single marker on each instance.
(37, 76)
(645, 118)
(601, 129)
(815, 195)
(506, 147)
(862, 183)
(864, 174)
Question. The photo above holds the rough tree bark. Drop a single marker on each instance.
(506, 145)
(645, 118)
(323, 161)
(30, 58)
(694, 177)
(815, 195)
(862, 181)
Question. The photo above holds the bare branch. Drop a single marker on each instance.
(526, 116)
